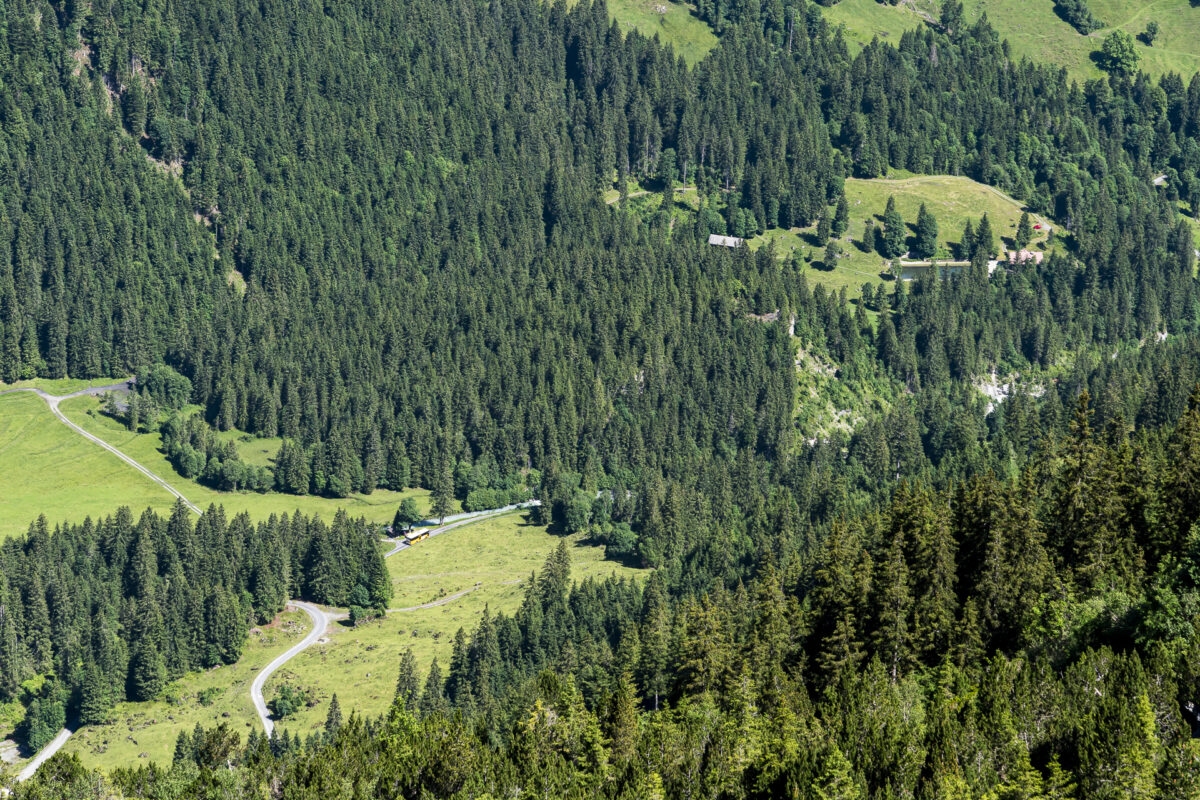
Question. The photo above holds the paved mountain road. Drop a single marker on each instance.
(458, 520)
(320, 622)
(320, 618)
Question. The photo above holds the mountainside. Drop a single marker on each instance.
(379, 233)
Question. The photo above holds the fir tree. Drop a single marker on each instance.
(894, 233)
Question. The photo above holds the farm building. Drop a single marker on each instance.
(725, 241)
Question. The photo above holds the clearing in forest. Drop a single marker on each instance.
(46, 468)
(953, 200)
(675, 24)
(143, 732)
(490, 561)
(1035, 31)
(484, 565)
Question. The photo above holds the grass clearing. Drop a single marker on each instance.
(953, 200)
(142, 732)
(60, 386)
(675, 24)
(1036, 32)
(46, 468)
(864, 20)
(491, 559)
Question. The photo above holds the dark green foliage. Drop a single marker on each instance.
(1151, 33)
(927, 234)
(894, 232)
(1024, 231)
(1118, 55)
(435, 295)
(841, 217)
(166, 386)
(333, 719)
(407, 514)
(1078, 15)
(190, 592)
(289, 699)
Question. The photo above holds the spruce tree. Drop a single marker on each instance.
(408, 689)
(333, 719)
(824, 228)
(841, 217)
(1024, 231)
(985, 240)
(927, 234)
(433, 697)
(894, 233)
(442, 494)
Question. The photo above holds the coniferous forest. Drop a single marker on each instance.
(378, 231)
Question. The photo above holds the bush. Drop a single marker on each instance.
(43, 719)
(287, 701)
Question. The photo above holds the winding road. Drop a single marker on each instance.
(320, 621)
(320, 618)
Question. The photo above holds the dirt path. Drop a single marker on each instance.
(450, 598)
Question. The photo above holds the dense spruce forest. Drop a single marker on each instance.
(112, 610)
(377, 230)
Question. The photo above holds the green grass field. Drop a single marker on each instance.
(1035, 31)
(675, 25)
(142, 732)
(864, 20)
(46, 468)
(953, 200)
(493, 559)
(60, 386)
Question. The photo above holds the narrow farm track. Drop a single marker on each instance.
(450, 598)
(54, 400)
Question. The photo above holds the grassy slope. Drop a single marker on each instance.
(865, 20)
(687, 34)
(151, 728)
(360, 665)
(953, 200)
(46, 468)
(1035, 31)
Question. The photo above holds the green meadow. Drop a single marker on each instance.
(142, 732)
(491, 560)
(47, 468)
(674, 23)
(1036, 32)
(953, 200)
